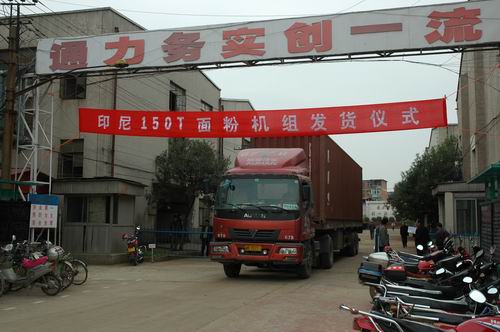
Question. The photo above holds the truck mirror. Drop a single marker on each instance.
(306, 191)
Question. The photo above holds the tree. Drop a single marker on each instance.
(412, 197)
(189, 167)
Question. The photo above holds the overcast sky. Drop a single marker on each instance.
(382, 155)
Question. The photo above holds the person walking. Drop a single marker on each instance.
(382, 235)
(441, 236)
(403, 231)
(393, 225)
(206, 237)
(371, 227)
(421, 237)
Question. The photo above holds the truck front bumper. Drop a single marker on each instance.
(257, 253)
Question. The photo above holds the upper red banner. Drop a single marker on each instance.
(294, 122)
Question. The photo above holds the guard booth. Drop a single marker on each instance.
(95, 214)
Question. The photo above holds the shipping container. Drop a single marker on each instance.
(336, 178)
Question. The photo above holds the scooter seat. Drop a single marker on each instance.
(406, 325)
(449, 263)
(448, 305)
(448, 291)
(443, 318)
(444, 293)
(31, 263)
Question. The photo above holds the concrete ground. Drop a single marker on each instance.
(194, 295)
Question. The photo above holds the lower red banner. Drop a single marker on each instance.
(270, 123)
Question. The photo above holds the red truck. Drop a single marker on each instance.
(290, 203)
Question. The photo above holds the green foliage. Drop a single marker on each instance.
(412, 197)
(191, 166)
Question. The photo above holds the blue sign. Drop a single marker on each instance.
(42, 199)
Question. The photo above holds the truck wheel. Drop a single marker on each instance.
(353, 248)
(304, 270)
(232, 270)
(326, 258)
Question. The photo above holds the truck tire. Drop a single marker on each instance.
(326, 257)
(232, 270)
(304, 270)
(352, 249)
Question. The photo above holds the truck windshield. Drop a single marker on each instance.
(263, 193)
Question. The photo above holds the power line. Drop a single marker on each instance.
(247, 15)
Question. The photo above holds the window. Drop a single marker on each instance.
(73, 87)
(71, 159)
(205, 107)
(177, 98)
(92, 209)
(466, 216)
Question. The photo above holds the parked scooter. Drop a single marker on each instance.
(444, 285)
(404, 322)
(36, 272)
(135, 251)
(60, 266)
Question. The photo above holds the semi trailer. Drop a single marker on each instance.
(291, 203)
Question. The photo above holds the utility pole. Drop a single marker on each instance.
(10, 89)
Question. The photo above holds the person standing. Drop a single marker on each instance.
(393, 225)
(421, 237)
(403, 231)
(441, 236)
(206, 237)
(382, 235)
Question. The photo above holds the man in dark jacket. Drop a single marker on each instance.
(403, 230)
(382, 235)
(205, 237)
(441, 236)
(421, 237)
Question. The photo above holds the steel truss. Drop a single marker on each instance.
(34, 135)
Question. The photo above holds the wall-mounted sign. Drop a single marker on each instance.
(43, 212)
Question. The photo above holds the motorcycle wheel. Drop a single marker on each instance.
(80, 272)
(133, 259)
(67, 275)
(52, 285)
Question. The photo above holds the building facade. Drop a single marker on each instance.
(375, 190)
(231, 146)
(105, 182)
(439, 135)
(479, 125)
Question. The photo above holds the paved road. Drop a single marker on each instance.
(194, 295)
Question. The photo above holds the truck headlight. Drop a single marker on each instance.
(220, 249)
(288, 251)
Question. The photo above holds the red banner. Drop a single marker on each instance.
(294, 122)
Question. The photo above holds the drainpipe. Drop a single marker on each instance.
(113, 137)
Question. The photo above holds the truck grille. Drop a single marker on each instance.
(262, 235)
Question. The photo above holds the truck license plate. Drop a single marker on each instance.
(253, 248)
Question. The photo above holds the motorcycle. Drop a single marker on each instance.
(428, 322)
(60, 265)
(35, 272)
(135, 251)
